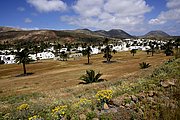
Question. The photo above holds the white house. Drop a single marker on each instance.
(95, 51)
(63, 50)
(8, 59)
(42, 55)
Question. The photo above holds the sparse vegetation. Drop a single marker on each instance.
(144, 65)
(153, 96)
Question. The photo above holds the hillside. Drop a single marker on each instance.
(5, 29)
(115, 33)
(156, 34)
(63, 36)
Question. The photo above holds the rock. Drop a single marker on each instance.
(113, 110)
(150, 99)
(141, 96)
(151, 93)
(105, 106)
(165, 84)
(141, 113)
(95, 119)
(82, 117)
(173, 106)
(134, 98)
(172, 83)
(132, 104)
(127, 105)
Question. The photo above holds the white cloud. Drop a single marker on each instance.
(173, 13)
(48, 5)
(107, 14)
(27, 20)
(156, 21)
(21, 9)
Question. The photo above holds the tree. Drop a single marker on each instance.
(177, 44)
(114, 51)
(87, 52)
(107, 53)
(36, 49)
(64, 55)
(91, 77)
(168, 51)
(152, 49)
(23, 57)
(133, 51)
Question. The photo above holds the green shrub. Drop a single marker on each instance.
(91, 77)
(144, 65)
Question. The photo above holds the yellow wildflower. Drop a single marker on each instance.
(23, 107)
(35, 117)
(104, 95)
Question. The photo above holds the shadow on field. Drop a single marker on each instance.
(109, 62)
(23, 75)
(87, 63)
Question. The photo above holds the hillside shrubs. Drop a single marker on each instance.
(91, 77)
(144, 65)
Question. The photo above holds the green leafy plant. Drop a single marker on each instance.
(144, 65)
(91, 77)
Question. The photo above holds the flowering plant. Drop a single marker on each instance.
(104, 96)
(59, 111)
(23, 107)
(35, 117)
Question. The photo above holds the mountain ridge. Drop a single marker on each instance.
(81, 35)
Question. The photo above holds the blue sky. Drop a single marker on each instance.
(134, 16)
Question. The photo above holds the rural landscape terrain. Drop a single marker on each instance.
(92, 75)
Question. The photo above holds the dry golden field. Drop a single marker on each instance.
(50, 76)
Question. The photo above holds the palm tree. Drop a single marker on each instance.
(114, 51)
(23, 57)
(64, 55)
(91, 77)
(36, 49)
(133, 51)
(169, 49)
(152, 50)
(87, 52)
(177, 44)
(107, 53)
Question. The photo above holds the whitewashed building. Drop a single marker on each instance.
(8, 59)
(42, 56)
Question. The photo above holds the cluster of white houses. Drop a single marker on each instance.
(121, 46)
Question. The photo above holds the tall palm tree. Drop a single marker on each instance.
(107, 53)
(87, 52)
(23, 57)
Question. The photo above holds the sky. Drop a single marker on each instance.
(136, 17)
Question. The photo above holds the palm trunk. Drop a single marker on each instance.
(88, 58)
(24, 68)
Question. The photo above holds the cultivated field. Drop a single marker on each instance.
(50, 76)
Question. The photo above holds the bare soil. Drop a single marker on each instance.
(51, 75)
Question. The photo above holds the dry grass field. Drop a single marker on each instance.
(50, 76)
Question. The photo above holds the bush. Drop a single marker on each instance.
(144, 65)
(90, 77)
